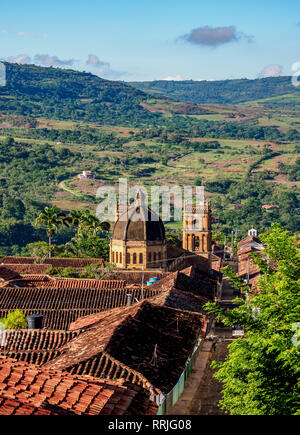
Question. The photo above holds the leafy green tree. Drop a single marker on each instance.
(15, 320)
(261, 372)
(52, 218)
(97, 271)
(86, 221)
(9, 141)
(40, 251)
(87, 245)
(172, 239)
(198, 182)
(13, 208)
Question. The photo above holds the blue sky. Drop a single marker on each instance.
(148, 40)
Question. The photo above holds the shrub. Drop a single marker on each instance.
(15, 320)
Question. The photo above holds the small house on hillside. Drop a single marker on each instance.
(86, 175)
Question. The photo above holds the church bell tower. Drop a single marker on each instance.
(197, 229)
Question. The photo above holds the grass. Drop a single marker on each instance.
(231, 161)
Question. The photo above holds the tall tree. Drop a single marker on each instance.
(52, 218)
(86, 221)
(261, 372)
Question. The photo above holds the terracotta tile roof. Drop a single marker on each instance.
(75, 283)
(129, 335)
(163, 292)
(245, 262)
(29, 281)
(191, 279)
(135, 276)
(107, 318)
(54, 262)
(62, 306)
(173, 333)
(29, 384)
(247, 240)
(46, 281)
(182, 300)
(12, 406)
(246, 250)
(17, 260)
(181, 258)
(6, 274)
(197, 283)
(30, 269)
(34, 346)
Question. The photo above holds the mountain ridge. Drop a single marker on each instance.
(67, 94)
(220, 91)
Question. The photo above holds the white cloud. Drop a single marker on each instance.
(46, 60)
(25, 34)
(206, 80)
(271, 71)
(95, 61)
(8, 32)
(21, 58)
(101, 68)
(176, 78)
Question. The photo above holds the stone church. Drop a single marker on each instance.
(138, 237)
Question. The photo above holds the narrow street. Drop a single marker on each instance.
(202, 391)
(208, 394)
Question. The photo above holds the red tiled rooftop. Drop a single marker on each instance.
(121, 334)
(12, 406)
(181, 259)
(28, 384)
(248, 240)
(28, 269)
(62, 306)
(54, 261)
(6, 274)
(36, 346)
(46, 281)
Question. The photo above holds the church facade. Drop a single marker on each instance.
(196, 234)
(138, 239)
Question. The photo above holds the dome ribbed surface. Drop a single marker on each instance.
(139, 223)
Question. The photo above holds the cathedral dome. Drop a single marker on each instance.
(139, 223)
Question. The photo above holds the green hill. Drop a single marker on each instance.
(71, 95)
(219, 92)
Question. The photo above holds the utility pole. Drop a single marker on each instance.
(142, 283)
(224, 247)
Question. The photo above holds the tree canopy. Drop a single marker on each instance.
(261, 373)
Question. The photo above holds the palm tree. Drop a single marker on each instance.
(86, 221)
(52, 218)
(91, 222)
(75, 217)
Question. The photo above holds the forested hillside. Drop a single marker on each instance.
(66, 94)
(221, 91)
(56, 123)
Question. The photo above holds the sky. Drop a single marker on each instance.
(139, 40)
